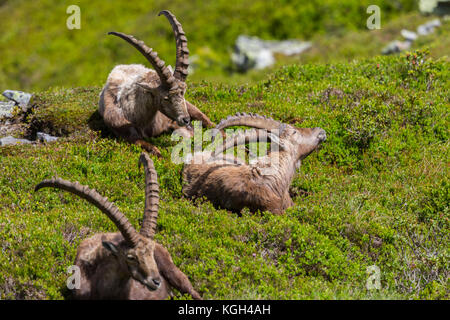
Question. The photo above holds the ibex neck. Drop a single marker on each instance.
(145, 105)
(145, 97)
(281, 171)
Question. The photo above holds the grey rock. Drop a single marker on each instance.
(10, 140)
(255, 53)
(21, 98)
(45, 137)
(429, 27)
(409, 35)
(6, 109)
(10, 129)
(396, 46)
(253, 59)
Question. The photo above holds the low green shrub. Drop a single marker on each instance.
(376, 193)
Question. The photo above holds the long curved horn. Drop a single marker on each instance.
(118, 218)
(249, 120)
(245, 137)
(182, 62)
(152, 56)
(151, 197)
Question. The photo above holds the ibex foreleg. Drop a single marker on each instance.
(196, 114)
(172, 274)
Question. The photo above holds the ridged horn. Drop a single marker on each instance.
(244, 137)
(182, 57)
(149, 222)
(118, 218)
(249, 120)
(167, 79)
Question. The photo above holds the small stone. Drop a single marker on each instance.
(6, 109)
(10, 140)
(409, 35)
(428, 28)
(45, 137)
(396, 46)
(19, 97)
(255, 53)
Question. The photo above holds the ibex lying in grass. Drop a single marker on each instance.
(262, 185)
(126, 264)
(138, 103)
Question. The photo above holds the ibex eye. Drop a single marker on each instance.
(131, 258)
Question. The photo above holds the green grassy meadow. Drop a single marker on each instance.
(38, 51)
(376, 193)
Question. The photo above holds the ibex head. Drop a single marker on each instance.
(138, 259)
(299, 142)
(136, 252)
(170, 93)
(302, 141)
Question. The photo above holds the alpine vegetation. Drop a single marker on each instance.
(125, 264)
(263, 184)
(138, 103)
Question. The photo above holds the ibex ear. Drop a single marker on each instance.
(110, 247)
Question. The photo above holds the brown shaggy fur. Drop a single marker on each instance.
(261, 185)
(106, 275)
(126, 264)
(138, 103)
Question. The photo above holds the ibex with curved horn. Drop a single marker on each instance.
(230, 183)
(138, 103)
(126, 264)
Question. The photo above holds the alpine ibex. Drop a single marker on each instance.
(138, 103)
(263, 184)
(126, 264)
